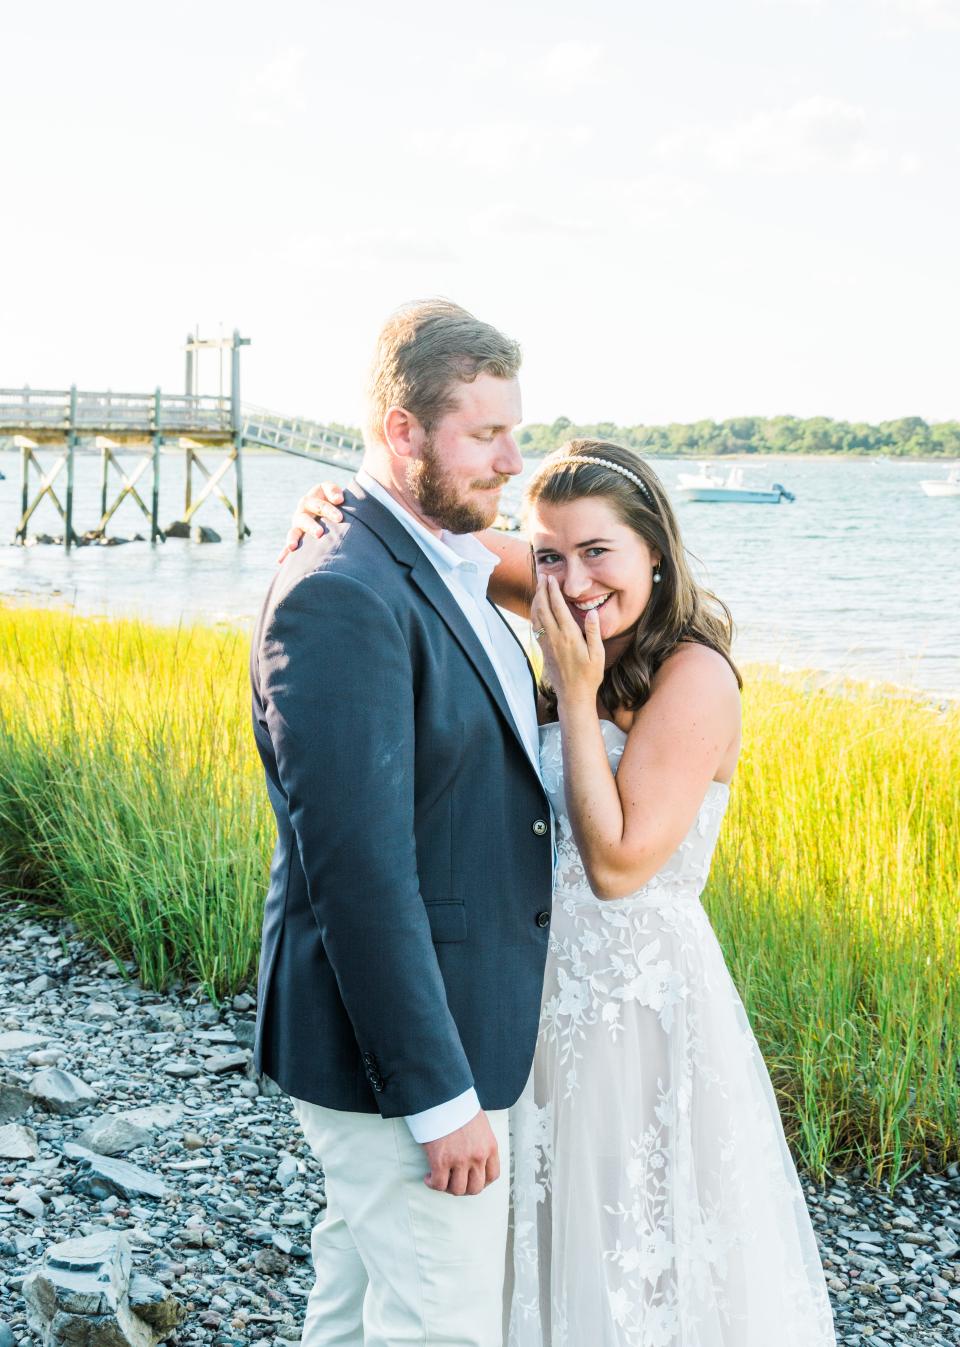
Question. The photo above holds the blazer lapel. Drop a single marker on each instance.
(425, 576)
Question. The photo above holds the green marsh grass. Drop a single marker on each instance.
(131, 798)
(132, 802)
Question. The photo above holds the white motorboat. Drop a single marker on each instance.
(946, 486)
(710, 485)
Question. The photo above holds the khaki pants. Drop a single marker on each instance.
(395, 1261)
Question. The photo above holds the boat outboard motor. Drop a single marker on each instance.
(784, 493)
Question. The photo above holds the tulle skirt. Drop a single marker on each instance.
(655, 1201)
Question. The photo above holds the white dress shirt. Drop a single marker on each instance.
(465, 566)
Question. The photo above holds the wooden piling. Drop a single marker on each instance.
(155, 530)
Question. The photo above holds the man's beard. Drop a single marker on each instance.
(437, 495)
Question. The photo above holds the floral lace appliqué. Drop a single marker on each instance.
(655, 1202)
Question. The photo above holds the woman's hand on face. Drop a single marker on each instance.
(319, 503)
(574, 660)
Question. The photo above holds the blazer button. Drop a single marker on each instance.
(540, 826)
(543, 919)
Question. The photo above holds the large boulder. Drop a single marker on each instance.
(101, 1177)
(18, 1142)
(114, 1135)
(85, 1294)
(14, 1102)
(60, 1092)
(18, 1040)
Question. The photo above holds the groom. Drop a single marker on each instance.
(406, 924)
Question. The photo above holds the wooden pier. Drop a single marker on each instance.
(70, 420)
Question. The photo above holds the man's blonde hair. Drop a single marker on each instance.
(423, 350)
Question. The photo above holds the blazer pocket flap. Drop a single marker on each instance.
(448, 920)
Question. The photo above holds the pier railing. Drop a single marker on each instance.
(69, 419)
(55, 412)
(295, 435)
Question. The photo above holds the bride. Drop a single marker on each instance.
(654, 1199)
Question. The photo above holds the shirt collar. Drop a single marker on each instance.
(451, 552)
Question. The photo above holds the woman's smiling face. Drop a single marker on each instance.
(598, 560)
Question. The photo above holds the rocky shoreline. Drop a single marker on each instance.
(133, 1121)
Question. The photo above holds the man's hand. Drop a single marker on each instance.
(319, 503)
(465, 1161)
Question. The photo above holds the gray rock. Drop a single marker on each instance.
(156, 1117)
(100, 1176)
(245, 1032)
(83, 1295)
(18, 1142)
(39, 985)
(862, 1236)
(6, 1336)
(181, 1070)
(100, 1010)
(114, 1135)
(46, 1057)
(15, 1040)
(271, 1263)
(60, 1092)
(14, 1103)
(153, 1303)
(27, 1200)
(286, 1170)
(227, 1061)
(198, 533)
(216, 1035)
(232, 1211)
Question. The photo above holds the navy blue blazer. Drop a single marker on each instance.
(406, 924)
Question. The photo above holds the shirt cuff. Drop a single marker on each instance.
(443, 1119)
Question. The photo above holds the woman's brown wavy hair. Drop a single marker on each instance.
(679, 609)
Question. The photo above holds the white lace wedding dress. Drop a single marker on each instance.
(655, 1202)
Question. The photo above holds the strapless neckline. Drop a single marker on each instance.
(551, 724)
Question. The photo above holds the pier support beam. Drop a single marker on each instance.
(28, 506)
(69, 537)
(236, 418)
(109, 459)
(156, 533)
(195, 344)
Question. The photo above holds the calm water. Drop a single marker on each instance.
(860, 575)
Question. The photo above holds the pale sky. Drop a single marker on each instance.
(681, 210)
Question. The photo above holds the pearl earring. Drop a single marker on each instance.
(656, 574)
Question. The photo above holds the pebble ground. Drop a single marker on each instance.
(231, 1237)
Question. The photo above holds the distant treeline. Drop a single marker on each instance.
(908, 437)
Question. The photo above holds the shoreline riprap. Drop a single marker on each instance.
(229, 1237)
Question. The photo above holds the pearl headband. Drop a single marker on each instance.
(614, 467)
